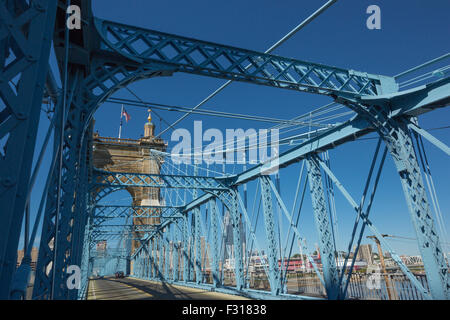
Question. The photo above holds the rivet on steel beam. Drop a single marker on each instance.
(8, 182)
(21, 115)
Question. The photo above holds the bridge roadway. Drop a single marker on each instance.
(109, 288)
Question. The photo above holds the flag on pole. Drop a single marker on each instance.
(126, 115)
(123, 113)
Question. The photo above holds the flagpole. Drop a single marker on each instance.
(121, 116)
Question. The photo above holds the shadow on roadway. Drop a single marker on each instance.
(159, 291)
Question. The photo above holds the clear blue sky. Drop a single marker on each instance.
(412, 32)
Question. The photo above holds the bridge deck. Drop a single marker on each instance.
(109, 288)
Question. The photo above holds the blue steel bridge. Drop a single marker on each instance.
(196, 225)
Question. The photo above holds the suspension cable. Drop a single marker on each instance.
(273, 47)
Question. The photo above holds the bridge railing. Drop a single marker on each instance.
(307, 283)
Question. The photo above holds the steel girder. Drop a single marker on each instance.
(45, 287)
(191, 250)
(85, 259)
(149, 263)
(152, 259)
(416, 101)
(137, 266)
(155, 258)
(101, 228)
(160, 256)
(147, 267)
(55, 252)
(122, 211)
(142, 266)
(215, 242)
(108, 212)
(198, 256)
(412, 102)
(143, 46)
(119, 179)
(166, 235)
(81, 108)
(269, 223)
(185, 240)
(105, 74)
(236, 223)
(25, 40)
(176, 253)
(108, 71)
(396, 135)
(172, 244)
(79, 223)
(324, 229)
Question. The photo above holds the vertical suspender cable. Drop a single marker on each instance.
(273, 47)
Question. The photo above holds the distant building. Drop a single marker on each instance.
(365, 253)
(229, 240)
(411, 260)
(101, 245)
(296, 264)
(205, 253)
(356, 266)
(257, 263)
(34, 257)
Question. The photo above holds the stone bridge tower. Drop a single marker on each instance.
(128, 155)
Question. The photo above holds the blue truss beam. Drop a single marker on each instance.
(152, 258)
(323, 226)
(374, 230)
(25, 40)
(297, 233)
(125, 227)
(180, 54)
(119, 179)
(185, 240)
(422, 99)
(176, 252)
(166, 243)
(191, 249)
(110, 212)
(269, 219)
(236, 224)
(124, 54)
(397, 137)
(160, 256)
(430, 138)
(197, 233)
(407, 103)
(48, 285)
(214, 225)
